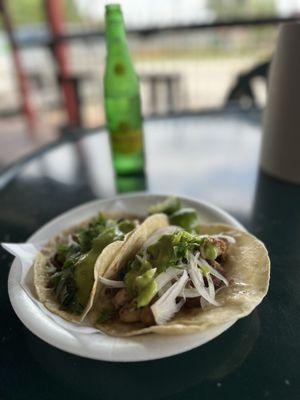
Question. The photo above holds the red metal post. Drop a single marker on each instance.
(54, 12)
(20, 73)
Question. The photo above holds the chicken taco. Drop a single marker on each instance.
(64, 270)
(181, 277)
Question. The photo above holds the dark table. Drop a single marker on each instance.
(213, 157)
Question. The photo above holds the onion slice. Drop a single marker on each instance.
(211, 287)
(212, 270)
(165, 277)
(190, 293)
(204, 303)
(164, 289)
(197, 279)
(111, 283)
(165, 307)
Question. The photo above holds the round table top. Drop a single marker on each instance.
(212, 157)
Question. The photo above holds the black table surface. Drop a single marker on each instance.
(211, 157)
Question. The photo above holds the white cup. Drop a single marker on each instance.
(280, 152)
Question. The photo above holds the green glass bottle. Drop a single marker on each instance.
(122, 98)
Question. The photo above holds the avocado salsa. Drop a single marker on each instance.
(71, 267)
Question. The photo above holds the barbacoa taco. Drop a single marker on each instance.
(182, 278)
(64, 270)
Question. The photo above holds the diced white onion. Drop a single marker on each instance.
(159, 233)
(165, 307)
(111, 283)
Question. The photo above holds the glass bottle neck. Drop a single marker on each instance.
(115, 33)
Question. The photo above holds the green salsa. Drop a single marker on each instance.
(73, 264)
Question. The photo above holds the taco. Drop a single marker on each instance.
(64, 270)
(181, 281)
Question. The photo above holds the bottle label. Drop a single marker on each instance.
(127, 141)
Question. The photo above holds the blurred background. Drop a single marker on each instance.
(191, 56)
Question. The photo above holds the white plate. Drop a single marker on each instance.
(99, 346)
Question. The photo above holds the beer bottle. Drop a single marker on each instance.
(122, 98)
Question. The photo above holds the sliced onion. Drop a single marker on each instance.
(111, 283)
(159, 233)
(211, 287)
(197, 279)
(204, 303)
(190, 293)
(212, 270)
(164, 289)
(167, 276)
(165, 307)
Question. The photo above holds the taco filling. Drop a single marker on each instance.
(175, 269)
(70, 267)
